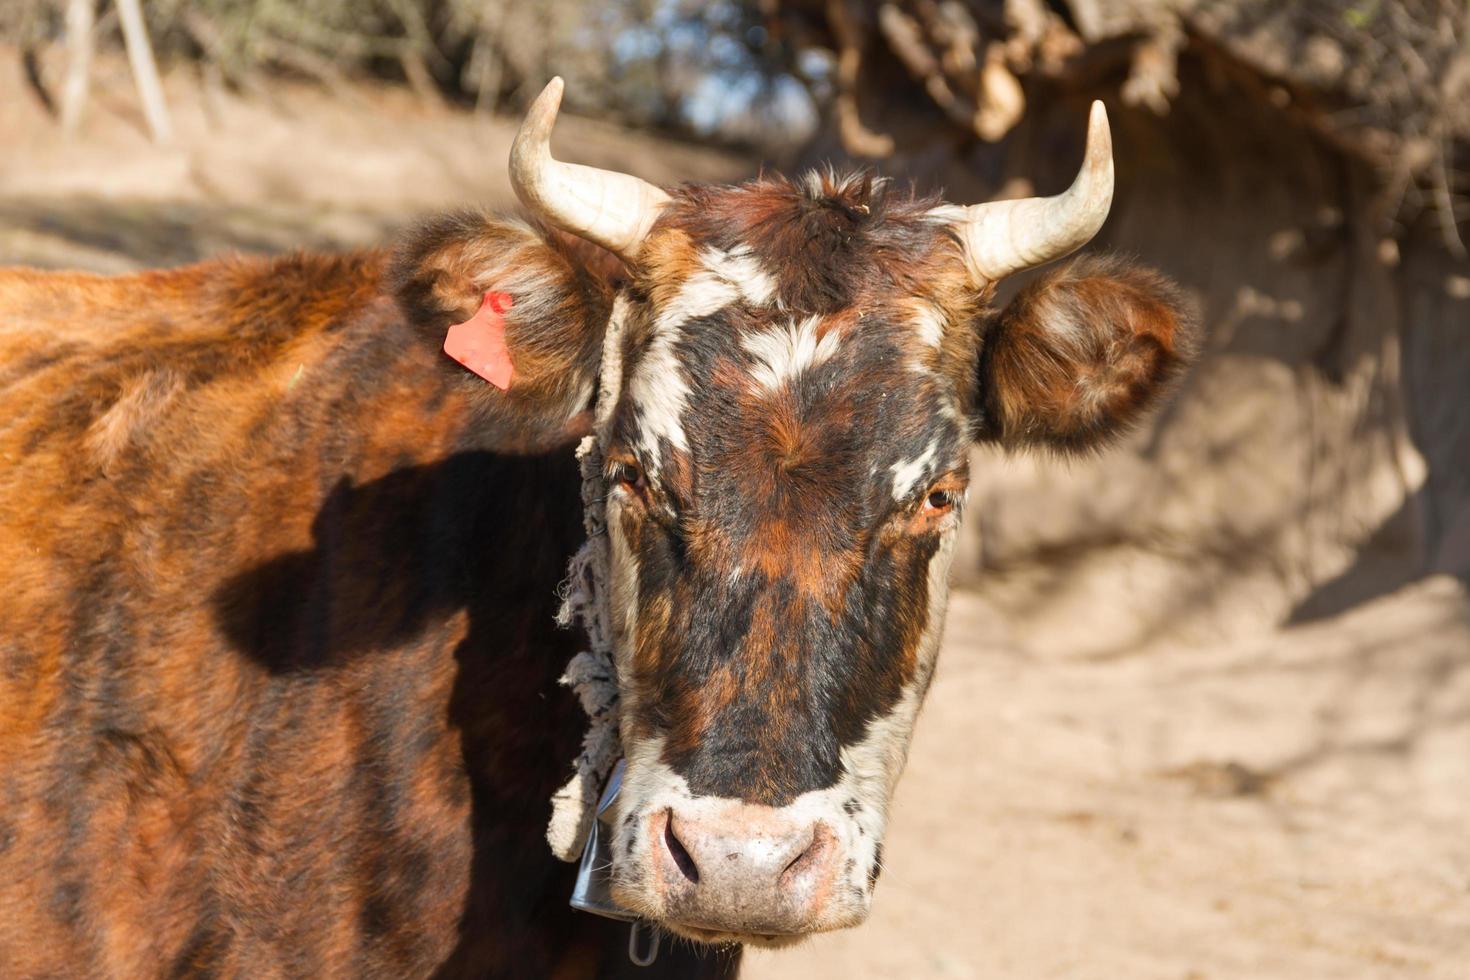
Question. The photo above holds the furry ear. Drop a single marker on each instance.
(1082, 354)
(561, 293)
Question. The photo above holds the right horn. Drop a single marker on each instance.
(1003, 237)
(611, 209)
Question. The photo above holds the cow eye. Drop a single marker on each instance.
(627, 474)
(938, 501)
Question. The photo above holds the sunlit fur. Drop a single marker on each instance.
(278, 663)
(278, 670)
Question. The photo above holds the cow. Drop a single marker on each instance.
(278, 661)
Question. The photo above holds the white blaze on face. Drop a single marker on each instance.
(781, 353)
(657, 385)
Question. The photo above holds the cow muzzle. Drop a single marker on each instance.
(725, 871)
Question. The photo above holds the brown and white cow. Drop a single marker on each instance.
(277, 578)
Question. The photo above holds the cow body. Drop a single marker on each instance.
(278, 661)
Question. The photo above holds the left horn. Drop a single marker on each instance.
(611, 209)
(1003, 237)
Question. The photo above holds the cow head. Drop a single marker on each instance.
(797, 372)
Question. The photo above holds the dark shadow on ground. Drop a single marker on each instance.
(95, 233)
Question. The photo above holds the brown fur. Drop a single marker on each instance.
(1082, 353)
(278, 666)
(554, 331)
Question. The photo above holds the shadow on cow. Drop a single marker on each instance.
(427, 570)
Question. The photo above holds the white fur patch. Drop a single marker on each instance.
(781, 353)
(1066, 328)
(907, 475)
(658, 386)
(929, 323)
(743, 270)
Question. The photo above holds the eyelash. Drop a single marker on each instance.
(939, 501)
(626, 474)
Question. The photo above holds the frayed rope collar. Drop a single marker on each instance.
(591, 674)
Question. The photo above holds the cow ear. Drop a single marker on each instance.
(1080, 355)
(554, 297)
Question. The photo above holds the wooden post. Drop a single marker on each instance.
(80, 21)
(145, 71)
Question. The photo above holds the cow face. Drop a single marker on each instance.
(792, 377)
(799, 380)
(787, 461)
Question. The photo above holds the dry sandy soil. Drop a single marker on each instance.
(1283, 804)
(1292, 805)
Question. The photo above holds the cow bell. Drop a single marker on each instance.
(592, 891)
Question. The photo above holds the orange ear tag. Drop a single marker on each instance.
(479, 342)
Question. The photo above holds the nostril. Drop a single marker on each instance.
(811, 855)
(803, 857)
(678, 852)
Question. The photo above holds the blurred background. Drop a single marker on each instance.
(1204, 709)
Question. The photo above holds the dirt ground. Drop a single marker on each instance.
(1289, 806)
(1283, 804)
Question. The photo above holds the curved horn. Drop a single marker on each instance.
(1003, 237)
(612, 209)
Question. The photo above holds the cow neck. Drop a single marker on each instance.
(592, 673)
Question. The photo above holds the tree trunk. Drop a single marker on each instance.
(80, 42)
(145, 71)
